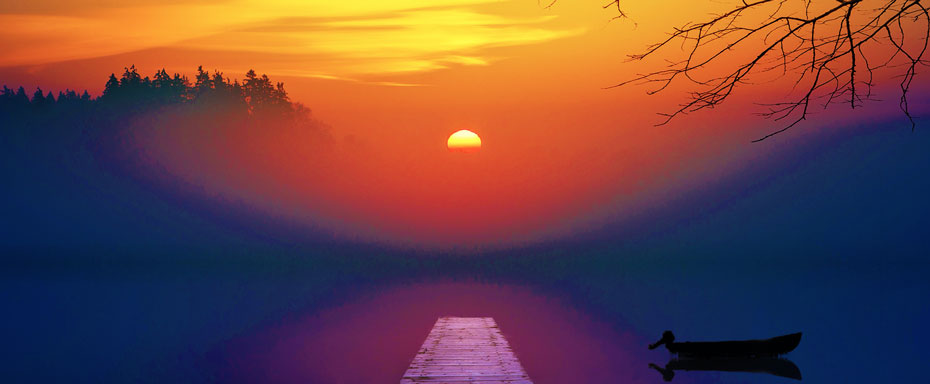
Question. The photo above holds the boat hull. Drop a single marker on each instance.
(745, 348)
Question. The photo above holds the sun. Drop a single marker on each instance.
(464, 141)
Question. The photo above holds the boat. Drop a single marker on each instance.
(769, 365)
(773, 347)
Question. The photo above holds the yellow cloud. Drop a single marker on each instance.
(335, 38)
(408, 41)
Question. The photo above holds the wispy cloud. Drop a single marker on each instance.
(317, 75)
(336, 39)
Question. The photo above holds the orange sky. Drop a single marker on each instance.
(393, 79)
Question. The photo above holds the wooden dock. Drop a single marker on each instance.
(465, 350)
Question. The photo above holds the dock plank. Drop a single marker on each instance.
(465, 350)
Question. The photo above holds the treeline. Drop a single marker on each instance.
(131, 94)
(19, 98)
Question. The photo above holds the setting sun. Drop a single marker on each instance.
(464, 141)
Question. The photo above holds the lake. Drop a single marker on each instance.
(232, 322)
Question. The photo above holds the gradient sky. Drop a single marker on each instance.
(392, 79)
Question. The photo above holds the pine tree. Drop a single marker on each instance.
(112, 87)
(38, 98)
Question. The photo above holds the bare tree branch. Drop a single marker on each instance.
(825, 47)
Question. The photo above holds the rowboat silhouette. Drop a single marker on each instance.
(742, 348)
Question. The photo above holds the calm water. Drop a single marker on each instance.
(861, 323)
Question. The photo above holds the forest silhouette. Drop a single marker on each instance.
(130, 95)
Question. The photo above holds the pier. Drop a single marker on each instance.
(465, 350)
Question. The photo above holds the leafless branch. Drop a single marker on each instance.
(827, 48)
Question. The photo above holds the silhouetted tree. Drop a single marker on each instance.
(21, 95)
(170, 89)
(829, 49)
(131, 78)
(111, 87)
(38, 98)
(202, 80)
(14, 103)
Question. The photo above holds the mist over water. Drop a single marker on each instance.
(301, 325)
(116, 270)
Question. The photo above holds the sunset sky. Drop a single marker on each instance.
(463, 158)
(393, 79)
